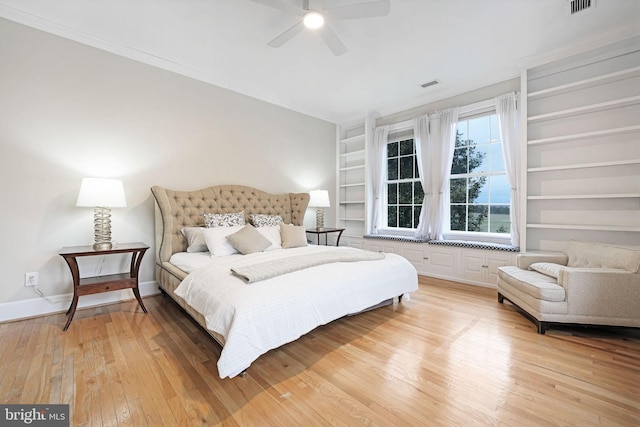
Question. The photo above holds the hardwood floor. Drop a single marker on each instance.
(451, 356)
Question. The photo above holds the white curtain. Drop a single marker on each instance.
(443, 147)
(508, 121)
(378, 171)
(424, 149)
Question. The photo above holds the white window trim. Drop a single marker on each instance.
(464, 113)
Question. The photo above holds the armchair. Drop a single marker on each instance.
(589, 284)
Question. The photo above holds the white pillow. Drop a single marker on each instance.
(272, 233)
(216, 240)
(547, 268)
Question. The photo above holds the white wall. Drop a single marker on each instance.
(69, 111)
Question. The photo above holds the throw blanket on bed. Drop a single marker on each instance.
(266, 270)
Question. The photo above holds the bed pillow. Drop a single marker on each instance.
(273, 234)
(195, 239)
(293, 236)
(248, 240)
(547, 268)
(223, 220)
(261, 220)
(216, 239)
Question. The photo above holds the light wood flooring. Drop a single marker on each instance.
(451, 356)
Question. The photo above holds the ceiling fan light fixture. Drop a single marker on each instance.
(313, 20)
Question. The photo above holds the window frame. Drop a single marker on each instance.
(401, 134)
(406, 128)
(475, 235)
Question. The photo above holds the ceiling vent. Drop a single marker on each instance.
(431, 83)
(575, 6)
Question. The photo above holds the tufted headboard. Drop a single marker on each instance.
(177, 209)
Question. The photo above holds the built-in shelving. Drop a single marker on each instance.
(582, 159)
(351, 188)
(586, 83)
(591, 108)
(585, 196)
(585, 227)
(352, 153)
(585, 135)
(585, 165)
(352, 168)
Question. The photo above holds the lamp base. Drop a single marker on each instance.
(105, 246)
(319, 218)
(102, 229)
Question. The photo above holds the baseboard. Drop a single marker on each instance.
(60, 303)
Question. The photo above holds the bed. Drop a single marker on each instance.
(252, 296)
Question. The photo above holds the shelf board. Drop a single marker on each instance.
(351, 139)
(352, 202)
(352, 219)
(586, 227)
(352, 153)
(351, 168)
(586, 196)
(585, 165)
(584, 135)
(586, 83)
(357, 184)
(586, 109)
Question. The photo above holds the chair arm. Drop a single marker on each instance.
(524, 260)
(601, 291)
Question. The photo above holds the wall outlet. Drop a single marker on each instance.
(31, 279)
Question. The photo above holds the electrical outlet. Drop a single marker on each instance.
(31, 279)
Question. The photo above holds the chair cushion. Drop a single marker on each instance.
(532, 283)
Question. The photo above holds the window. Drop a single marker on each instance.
(479, 188)
(404, 194)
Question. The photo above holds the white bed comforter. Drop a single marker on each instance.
(256, 317)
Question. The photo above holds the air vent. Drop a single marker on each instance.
(431, 83)
(575, 6)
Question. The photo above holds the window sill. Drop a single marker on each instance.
(476, 245)
(395, 237)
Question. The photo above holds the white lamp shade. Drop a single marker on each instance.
(100, 192)
(319, 199)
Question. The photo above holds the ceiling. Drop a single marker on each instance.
(465, 44)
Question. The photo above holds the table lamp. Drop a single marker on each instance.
(319, 199)
(102, 195)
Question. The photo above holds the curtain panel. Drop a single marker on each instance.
(509, 124)
(378, 170)
(424, 149)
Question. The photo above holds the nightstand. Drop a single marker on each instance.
(106, 283)
(326, 230)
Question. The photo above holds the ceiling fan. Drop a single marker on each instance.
(315, 16)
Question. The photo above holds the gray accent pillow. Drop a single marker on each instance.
(293, 236)
(262, 220)
(248, 240)
(223, 220)
(195, 239)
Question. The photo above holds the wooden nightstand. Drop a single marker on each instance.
(326, 230)
(107, 283)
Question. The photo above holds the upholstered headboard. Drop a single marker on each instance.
(177, 209)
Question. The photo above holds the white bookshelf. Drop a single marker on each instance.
(582, 130)
(351, 192)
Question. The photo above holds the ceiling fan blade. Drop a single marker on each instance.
(287, 35)
(332, 40)
(280, 5)
(361, 10)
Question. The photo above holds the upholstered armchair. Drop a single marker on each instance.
(588, 284)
